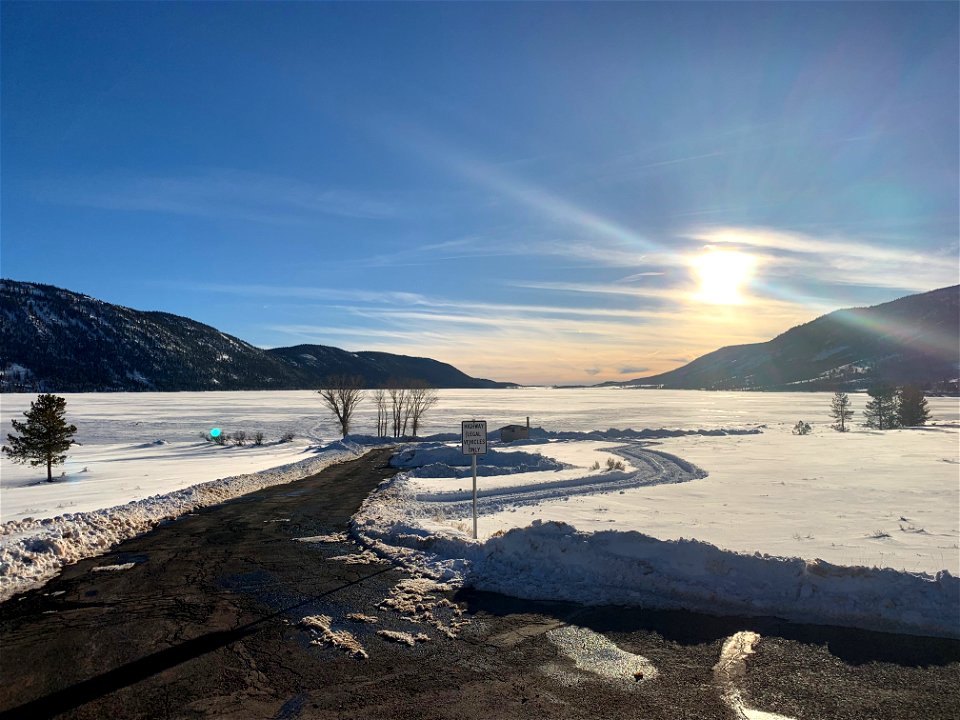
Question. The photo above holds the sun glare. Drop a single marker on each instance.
(722, 273)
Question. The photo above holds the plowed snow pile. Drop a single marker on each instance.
(858, 529)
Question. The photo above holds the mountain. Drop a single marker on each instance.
(60, 341)
(910, 340)
(376, 367)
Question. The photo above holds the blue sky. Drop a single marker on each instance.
(534, 192)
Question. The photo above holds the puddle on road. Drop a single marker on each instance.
(731, 667)
(593, 653)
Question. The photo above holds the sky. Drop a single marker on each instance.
(537, 193)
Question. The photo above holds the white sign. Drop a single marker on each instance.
(473, 437)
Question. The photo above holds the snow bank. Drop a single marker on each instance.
(437, 460)
(553, 560)
(33, 551)
(538, 434)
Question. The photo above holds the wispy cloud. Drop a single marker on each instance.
(305, 293)
(837, 260)
(666, 294)
(597, 235)
(530, 342)
(218, 193)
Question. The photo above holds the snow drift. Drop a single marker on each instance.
(436, 460)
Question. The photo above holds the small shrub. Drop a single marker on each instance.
(614, 464)
(912, 529)
(240, 437)
(801, 428)
(221, 439)
(258, 438)
(596, 465)
(287, 437)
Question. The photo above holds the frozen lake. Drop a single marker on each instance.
(105, 418)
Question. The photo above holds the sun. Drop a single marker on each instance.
(722, 273)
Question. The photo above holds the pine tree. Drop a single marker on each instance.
(881, 411)
(44, 437)
(912, 407)
(840, 410)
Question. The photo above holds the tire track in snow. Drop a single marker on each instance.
(651, 468)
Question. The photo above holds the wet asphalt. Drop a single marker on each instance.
(204, 625)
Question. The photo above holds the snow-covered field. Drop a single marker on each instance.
(858, 529)
(885, 500)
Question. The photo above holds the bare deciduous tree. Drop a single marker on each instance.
(380, 399)
(341, 396)
(397, 393)
(420, 398)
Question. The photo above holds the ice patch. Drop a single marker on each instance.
(361, 558)
(416, 600)
(361, 618)
(114, 568)
(319, 626)
(731, 667)
(404, 638)
(593, 653)
(331, 538)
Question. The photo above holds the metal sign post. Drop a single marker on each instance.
(473, 442)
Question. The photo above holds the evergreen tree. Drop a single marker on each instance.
(912, 406)
(881, 411)
(44, 437)
(840, 410)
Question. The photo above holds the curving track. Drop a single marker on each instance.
(650, 467)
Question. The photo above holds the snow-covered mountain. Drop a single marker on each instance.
(910, 340)
(60, 341)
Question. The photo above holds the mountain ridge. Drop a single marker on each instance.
(56, 340)
(912, 339)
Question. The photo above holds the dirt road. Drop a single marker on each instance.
(206, 622)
